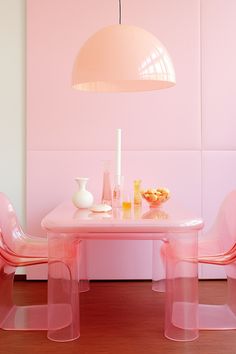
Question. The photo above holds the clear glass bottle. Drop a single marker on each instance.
(126, 201)
(117, 193)
(137, 192)
(137, 211)
(106, 190)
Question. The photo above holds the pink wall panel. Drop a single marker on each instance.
(60, 118)
(218, 74)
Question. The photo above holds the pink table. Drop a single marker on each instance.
(66, 226)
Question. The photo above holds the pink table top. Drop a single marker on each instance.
(169, 218)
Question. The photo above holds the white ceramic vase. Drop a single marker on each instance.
(82, 198)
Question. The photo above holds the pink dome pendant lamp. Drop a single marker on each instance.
(122, 58)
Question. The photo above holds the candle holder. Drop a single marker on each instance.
(119, 181)
(116, 202)
(118, 178)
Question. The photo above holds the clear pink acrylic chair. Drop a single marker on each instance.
(217, 247)
(19, 249)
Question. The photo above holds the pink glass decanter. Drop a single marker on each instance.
(106, 191)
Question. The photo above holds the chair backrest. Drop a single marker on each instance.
(12, 237)
(10, 229)
(224, 228)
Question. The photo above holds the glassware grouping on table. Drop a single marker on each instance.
(120, 198)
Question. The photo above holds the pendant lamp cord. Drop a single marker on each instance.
(119, 12)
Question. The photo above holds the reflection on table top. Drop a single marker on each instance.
(67, 218)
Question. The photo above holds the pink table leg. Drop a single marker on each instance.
(158, 266)
(83, 271)
(181, 319)
(63, 288)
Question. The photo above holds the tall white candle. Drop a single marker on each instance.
(118, 156)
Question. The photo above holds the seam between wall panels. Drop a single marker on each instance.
(147, 150)
(112, 150)
(201, 98)
(201, 113)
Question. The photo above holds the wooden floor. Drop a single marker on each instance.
(118, 318)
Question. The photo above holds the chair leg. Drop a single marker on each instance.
(14, 317)
(26, 318)
(221, 317)
(6, 291)
(83, 272)
(216, 317)
(231, 287)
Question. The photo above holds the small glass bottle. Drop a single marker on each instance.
(137, 192)
(106, 191)
(116, 202)
(137, 211)
(117, 193)
(126, 201)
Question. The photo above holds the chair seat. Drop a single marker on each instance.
(216, 317)
(211, 317)
(36, 317)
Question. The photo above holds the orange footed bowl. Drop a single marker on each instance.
(156, 196)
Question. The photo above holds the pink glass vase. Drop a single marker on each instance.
(106, 191)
